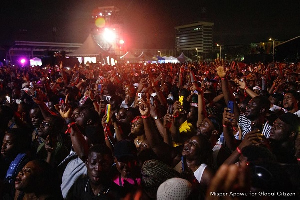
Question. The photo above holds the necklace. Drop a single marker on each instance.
(102, 192)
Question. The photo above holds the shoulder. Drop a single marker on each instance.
(81, 181)
(297, 113)
(207, 176)
(78, 190)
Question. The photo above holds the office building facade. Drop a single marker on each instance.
(195, 37)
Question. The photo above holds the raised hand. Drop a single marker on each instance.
(49, 146)
(103, 121)
(254, 137)
(144, 108)
(228, 180)
(167, 120)
(221, 71)
(153, 111)
(241, 83)
(228, 118)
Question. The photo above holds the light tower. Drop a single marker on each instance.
(108, 31)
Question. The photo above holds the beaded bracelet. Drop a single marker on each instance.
(145, 116)
(175, 116)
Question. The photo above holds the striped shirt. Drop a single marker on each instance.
(245, 127)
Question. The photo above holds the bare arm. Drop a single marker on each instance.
(79, 143)
(243, 86)
(201, 104)
(161, 149)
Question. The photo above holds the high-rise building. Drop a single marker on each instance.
(196, 36)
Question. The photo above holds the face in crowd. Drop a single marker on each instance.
(257, 107)
(36, 176)
(137, 126)
(252, 110)
(125, 167)
(46, 128)
(99, 164)
(206, 127)
(196, 148)
(26, 179)
(9, 147)
(36, 117)
(290, 102)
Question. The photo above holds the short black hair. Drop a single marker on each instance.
(91, 113)
(263, 102)
(57, 122)
(22, 137)
(100, 148)
(258, 153)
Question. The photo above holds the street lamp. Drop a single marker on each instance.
(270, 39)
(218, 45)
(197, 53)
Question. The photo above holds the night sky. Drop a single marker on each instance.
(150, 23)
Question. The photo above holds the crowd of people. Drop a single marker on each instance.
(205, 130)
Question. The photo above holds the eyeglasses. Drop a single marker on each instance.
(44, 124)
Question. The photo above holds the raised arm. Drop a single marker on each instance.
(228, 95)
(158, 123)
(201, 104)
(161, 149)
(79, 142)
(243, 86)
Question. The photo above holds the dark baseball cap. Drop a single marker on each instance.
(125, 150)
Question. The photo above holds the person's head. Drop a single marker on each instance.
(36, 116)
(154, 173)
(15, 141)
(257, 107)
(51, 125)
(250, 79)
(75, 114)
(129, 90)
(125, 157)
(115, 102)
(270, 177)
(87, 116)
(37, 176)
(285, 127)
(192, 114)
(137, 126)
(290, 101)
(174, 189)
(276, 99)
(126, 115)
(99, 164)
(242, 105)
(254, 153)
(209, 126)
(197, 148)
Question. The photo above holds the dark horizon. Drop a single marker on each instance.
(150, 23)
